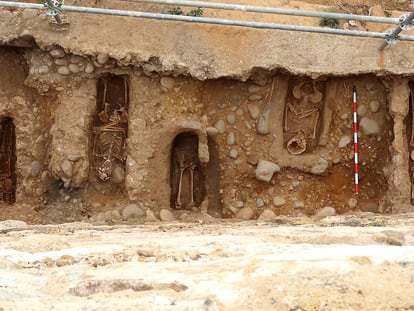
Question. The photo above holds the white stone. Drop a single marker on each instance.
(63, 70)
(74, 68)
(233, 154)
(67, 168)
(220, 126)
(43, 69)
(253, 110)
(167, 215)
(344, 141)
(167, 82)
(369, 126)
(374, 106)
(278, 201)
(255, 97)
(89, 68)
(57, 53)
(102, 58)
(254, 88)
(266, 169)
(320, 166)
(325, 212)
(230, 138)
(61, 62)
(132, 211)
(267, 215)
(244, 213)
(238, 204)
(260, 202)
(352, 203)
(298, 204)
(211, 131)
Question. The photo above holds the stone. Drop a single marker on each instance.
(352, 203)
(325, 212)
(362, 110)
(132, 211)
(63, 70)
(35, 168)
(265, 170)
(235, 100)
(61, 62)
(298, 204)
(253, 110)
(211, 131)
(252, 158)
(374, 106)
(260, 202)
(74, 68)
(230, 138)
(344, 116)
(167, 215)
(102, 58)
(167, 82)
(89, 68)
(76, 59)
(320, 167)
(267, 215)
(150, 216)
(278, 201)
(57, 53)
(254, 88)
(369, 126)
(118, 175)
(43, 69)
(233, 154)
(344, 141)
(67, 168)
(238, 204)
(116, 215)
(255, 97)
(220, 126)
(231, 118)
(369, 207)
(245, 213)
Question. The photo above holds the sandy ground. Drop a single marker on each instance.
(337, 263)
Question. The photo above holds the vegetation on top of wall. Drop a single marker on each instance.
(179, 11)
(329, 22)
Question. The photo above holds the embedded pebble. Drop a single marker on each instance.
(320, 167)
(132, 211)
(57, 53)
(150, 216)
(74, 68)
(325, 212)
(255, 97)
(220, 126)
(35, 168)
(102, 58)
(295, 184)
(67, 168)
(278, 201)
(230, 138)
(233, 153)
(167, 215)
(43, 69)
(76, 59)
(267, 215)
(244, 213)
(344, 141)
(369, 126)
(361, 110)
(374, 106)
(116, 215)
(61, 62)
(344, 116)
(231, 118)
(63, 70)
(266, 169)
(260, 202)
(298, 204)
(369, 207)
(352, 203)
(89, 68)
(254, 88)
(167, 82)
(211, 131)
(253, 110)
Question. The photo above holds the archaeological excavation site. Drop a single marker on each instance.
(166, 121)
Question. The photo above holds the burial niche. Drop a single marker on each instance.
(110, 130)
(187, 178)
(7, 160)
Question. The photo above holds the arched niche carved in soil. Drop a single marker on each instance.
(187, 176)
(109, 133)
(7, 160)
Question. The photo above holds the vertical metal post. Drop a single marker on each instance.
(406, 24)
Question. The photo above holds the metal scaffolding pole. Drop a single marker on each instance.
(406, 24)
(271, 10)
(205, 20)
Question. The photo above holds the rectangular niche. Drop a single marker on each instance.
(7, 160)
(109, 133)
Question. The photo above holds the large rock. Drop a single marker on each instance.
(369, 126)
(132, 211)
(167, 215)
(267, 215)
(320, 167)
(325, 212)
(265, 170)
(244, 213)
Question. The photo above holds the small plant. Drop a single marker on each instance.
(179, 11)
(329, 22)
(387, 13)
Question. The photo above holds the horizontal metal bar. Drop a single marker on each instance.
(206, 20)
(271, 10)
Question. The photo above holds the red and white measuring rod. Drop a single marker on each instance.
(356, 170)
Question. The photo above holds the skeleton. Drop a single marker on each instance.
(183, 165)
(7, 160)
